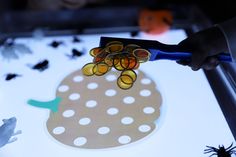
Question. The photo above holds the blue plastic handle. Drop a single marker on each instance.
(158, 54)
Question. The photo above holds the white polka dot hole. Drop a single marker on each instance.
(148, 110)
(58, 130)
(78, 78)
(110, 92)
(144, 128)
(127, 120)
(92, 86)
(91, 104)
(124, 139)
(80, 141)
(63, 88)
(145, 81)
(145, 93)
(68, 113)
(112, 111)
(111, 77)
(74, 96)
(85, 121)
(103, 130)
(129, 100)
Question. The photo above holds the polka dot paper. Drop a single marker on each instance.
(94, 113)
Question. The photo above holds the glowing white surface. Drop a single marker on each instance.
(191, 118)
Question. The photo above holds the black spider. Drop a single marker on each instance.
(55, 44)
(9, 42)
(76, 40)
(221, 152)
(11, 76)
(134, 33)
(75, 53)
(41, 66)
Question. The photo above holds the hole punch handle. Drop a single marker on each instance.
(158, 55)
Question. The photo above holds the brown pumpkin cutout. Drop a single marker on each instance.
(155, 22)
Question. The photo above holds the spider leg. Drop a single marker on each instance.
(213, 154)
(211, 147)
(232, 152)
(208, 151)
(229, 146)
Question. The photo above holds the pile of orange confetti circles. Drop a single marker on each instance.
(123, 58)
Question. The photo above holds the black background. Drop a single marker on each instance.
(217, 11)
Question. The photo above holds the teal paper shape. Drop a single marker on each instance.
(52, 105)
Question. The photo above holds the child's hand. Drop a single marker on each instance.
(204, 46)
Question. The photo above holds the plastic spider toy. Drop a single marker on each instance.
(41, 66)
(75, 53)
(55, 44)
(221, 151)
(76, 40)
(11, 76)
(11, 50)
